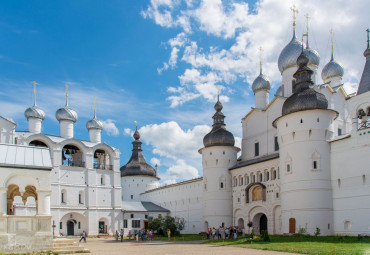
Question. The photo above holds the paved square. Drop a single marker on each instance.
(111, 247)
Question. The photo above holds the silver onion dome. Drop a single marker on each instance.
(313, 56)
(94, 124)
(34, 112)
(261, 83)
(288, 56)
(332, 69)
(66, 113)
(279, 92)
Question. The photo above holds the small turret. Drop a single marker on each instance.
(332, 71)
(34, 114)
(95, 127)
(261, 88)
(66, 117)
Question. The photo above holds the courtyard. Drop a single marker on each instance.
(112, 247)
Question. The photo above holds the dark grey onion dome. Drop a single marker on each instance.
(34, 112)
(279, 91)
(364, 85)
(261, 83)
(66, 113)
(94, 124)
(288, 56)
(137, 164)
(313, 56)
(332, 69)
(218, 136)
(304, 96)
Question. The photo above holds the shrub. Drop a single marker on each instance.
(252, 233)
(265, 236)
(317, 232)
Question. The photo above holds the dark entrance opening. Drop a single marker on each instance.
(263, 223)
(146, 224)
(70, 228)
(102, 227)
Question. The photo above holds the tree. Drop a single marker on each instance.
(160, 224)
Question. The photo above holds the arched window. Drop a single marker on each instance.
(257, 193)
(63, 196)
(72, 156)
(288, 164)
(316, 161)
(37, 143)
(267, 176)
(102, 160)
(260, 177)
(81, 197)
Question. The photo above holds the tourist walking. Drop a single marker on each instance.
(169, 234)
(121, 234)
(117, 234)
(83, 236)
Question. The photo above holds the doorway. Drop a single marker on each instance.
(263, 223)
(70, 228)
(291, 225)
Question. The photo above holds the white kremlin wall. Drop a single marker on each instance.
(183, 199)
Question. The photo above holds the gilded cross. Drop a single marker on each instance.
(94, 99)
(295, 11)
(260, 50)
(34, 91)
(66, 93)
(332, 41)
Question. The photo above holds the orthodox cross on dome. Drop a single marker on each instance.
(332, 43)
(66, 93)
(295, 11)
(94, 99)
(260, 50)
(135, 124)
(307, 16)
(368, 31)
(34, 91)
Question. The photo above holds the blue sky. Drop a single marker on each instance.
(160, 62)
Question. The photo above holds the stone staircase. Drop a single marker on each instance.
(68, 245)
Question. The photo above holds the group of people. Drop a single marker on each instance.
(224, 233)
(137, 235)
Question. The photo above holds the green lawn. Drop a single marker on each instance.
(339, 245)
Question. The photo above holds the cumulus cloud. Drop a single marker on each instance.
(110, 127)
(155, 161)
(168, 139)
(244, 29)
(181, 171)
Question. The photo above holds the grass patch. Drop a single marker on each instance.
(322, 245)
(183, 237)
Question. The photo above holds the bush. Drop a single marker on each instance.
(160, 225)
(265, 236)
(252, 233)
(317, 232)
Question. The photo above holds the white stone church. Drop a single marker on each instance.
(304, 164)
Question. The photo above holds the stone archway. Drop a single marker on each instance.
(205, 225)
(260, 222)
(241, 223)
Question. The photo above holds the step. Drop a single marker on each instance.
(65, 245)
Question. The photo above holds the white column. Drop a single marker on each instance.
(3, 201)
(34, 125)
(66, 128)
(43, 202)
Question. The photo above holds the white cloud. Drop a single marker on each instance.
(169, 140)
(127, 131)
(110, 127)
(155, 161)
(181, 170)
